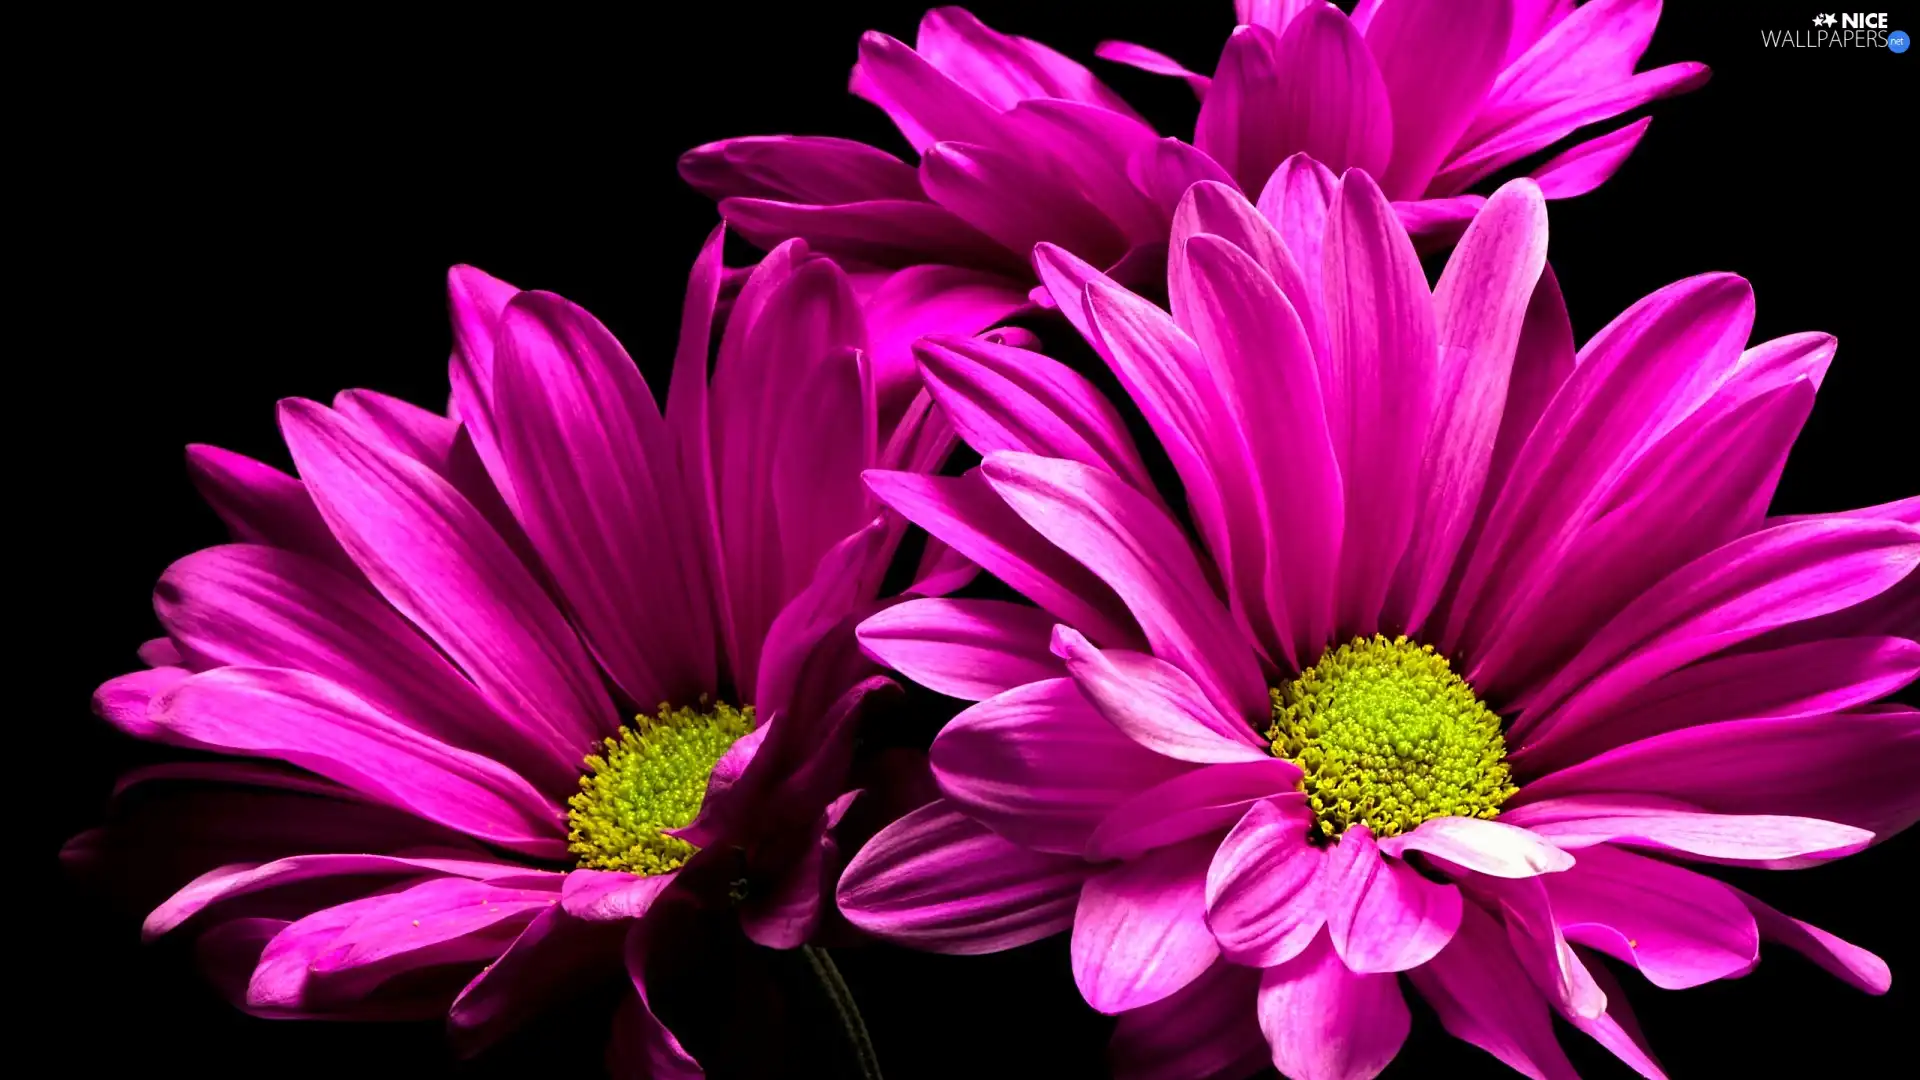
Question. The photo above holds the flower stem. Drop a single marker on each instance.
(843, 1004)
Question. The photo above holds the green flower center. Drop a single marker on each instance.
(1388, 736)
(651, 778)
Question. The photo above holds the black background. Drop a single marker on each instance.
(238, 223)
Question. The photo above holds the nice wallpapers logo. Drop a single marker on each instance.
(1852, 29)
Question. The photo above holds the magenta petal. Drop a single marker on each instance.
(1792, 682)
(1005, 69)
(1384, 373)
(924, 103)
(1635, 380)
(126, 701)
(966, 514)
(555, 957)
(928, 300)
(1657, 824)
(1483, 996)
(969, 649)
(798, 168)
(1166, 169)
(1154, 703)
(1040, 766)
(1542, 128)
(253, 606)
(475, 300)
(1701, 485)
(1843, 959)
(319, 726)
(1616, 1029)
(1767, 579)
(1679, 928)
(1382, 914)
(601, 499)
(1283, 573)
(1140, 553)
(1091, 148)
(1009, 198)
(1149, 60)
(938, 880)
(883, 232)
(1207, 1029)
(1584, 166)
(1140, 931)
(1480, 306)
(433, 557)
(262, 505)
(1854, 767)
(611, 896)
(1265, 891)
(1200, 801)
(242, 879)
(1538, 943)
(1438, 64)
(1494, 848)
(642, 1047)
(1296, 199)
(1326, 1022)
(1002, 398)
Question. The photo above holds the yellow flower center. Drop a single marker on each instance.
(650, 778)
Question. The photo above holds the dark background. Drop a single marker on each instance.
(238, 224)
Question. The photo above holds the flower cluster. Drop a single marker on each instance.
(1444, 657)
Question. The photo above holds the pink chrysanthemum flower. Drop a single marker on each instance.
(1485, 642)
(433, 641)
(1020, 145)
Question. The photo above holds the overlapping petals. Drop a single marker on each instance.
(412, 646)
(1582, 534)
(1018, 144)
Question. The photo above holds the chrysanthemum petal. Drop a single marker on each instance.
(433, 557)
(883, 232)
(1265, 893)
(798, 168)
(924, 103)
(1767, 579)
(1843, 959)
(1480, 308)
(320, 726)
(1002, 398)
(1770, 840)
(1679, 928)
(1855, 767)
(1140, 931)
(1699, 486)
(1483, 996)
(1039, 765)
(262, 505)
(1286, 527)
(1382, 914)
(938, 880)
(969, 649)
(968, 515)
(1327, 1022)
(1007, 197)
(1202, 800)
(1494, 848)
(1380, 395)
(1584, 166)
(1791, 682)
(1438, 63)
(928, 300)
(1154, 703)
(1140, 553)
(1207, 1030)
(1634, 381)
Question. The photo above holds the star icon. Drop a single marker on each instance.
(1829, 18)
